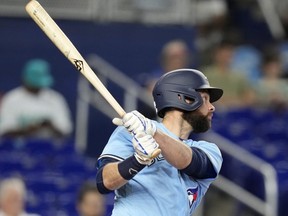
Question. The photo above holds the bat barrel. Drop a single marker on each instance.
(62, 42)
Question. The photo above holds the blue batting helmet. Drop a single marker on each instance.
(174, 87)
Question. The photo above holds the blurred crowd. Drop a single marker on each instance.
(14, 195)
(254, 77)
(250, 77)
(35, 143)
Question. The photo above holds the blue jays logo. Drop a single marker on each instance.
(192, 195)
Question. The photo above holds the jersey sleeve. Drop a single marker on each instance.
(119, 145)
(213, 153)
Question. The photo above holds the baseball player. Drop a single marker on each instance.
(173, 183)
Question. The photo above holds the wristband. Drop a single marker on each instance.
(130, 167)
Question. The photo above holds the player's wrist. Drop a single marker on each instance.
(130, 167)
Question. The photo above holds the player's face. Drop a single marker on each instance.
(200, 119)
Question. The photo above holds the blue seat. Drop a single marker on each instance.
(6, 145)
(40, 147)
(11, 161)
(10, 167)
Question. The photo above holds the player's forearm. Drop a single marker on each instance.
(174, 151)
(111, 177)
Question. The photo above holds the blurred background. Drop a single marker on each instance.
(241, 46)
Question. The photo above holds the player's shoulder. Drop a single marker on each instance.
(119, 135)
(205, 145)
(119, 145)
(121, 131)
(212, 151)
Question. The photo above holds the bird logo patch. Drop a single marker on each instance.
(192, 195)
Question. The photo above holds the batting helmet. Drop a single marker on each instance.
(174, 87)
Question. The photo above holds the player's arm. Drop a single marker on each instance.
(113, 174)
(108, 178)
(192, 161)
(174, 151)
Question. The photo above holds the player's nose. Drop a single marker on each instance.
(211, 108)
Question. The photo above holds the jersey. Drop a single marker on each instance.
(158, 189)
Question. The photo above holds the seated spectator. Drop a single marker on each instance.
(238, 92)
(90, 202)
(212, 22)
(174, 55)
(12, 198)
(34, 110)
(272, 90)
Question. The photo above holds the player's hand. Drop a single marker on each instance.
(136, 123)
(146, 148)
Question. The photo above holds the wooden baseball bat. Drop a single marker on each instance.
(62, 42)
(57, 36)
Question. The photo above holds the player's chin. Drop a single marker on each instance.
(210, 122)
(203, 127)
(208, 125)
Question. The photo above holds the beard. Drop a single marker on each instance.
(199, 122)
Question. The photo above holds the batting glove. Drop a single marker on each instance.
(135, 123)
(146, 148)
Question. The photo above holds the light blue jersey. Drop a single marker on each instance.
(159, 189)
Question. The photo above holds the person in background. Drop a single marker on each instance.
(90, 202)
(271, 89)
(175, 54)
(34, 109)
(12, 198)
(211, 26)
(238, 91)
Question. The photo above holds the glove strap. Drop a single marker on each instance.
(130, 167)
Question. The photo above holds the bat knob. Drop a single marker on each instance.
(156, 153)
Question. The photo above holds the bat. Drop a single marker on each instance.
(63, 43)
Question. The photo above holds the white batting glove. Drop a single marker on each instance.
(145, 148)
(135, 123)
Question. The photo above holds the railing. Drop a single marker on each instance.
(272, 18)
(267, 207)
(132, 92)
